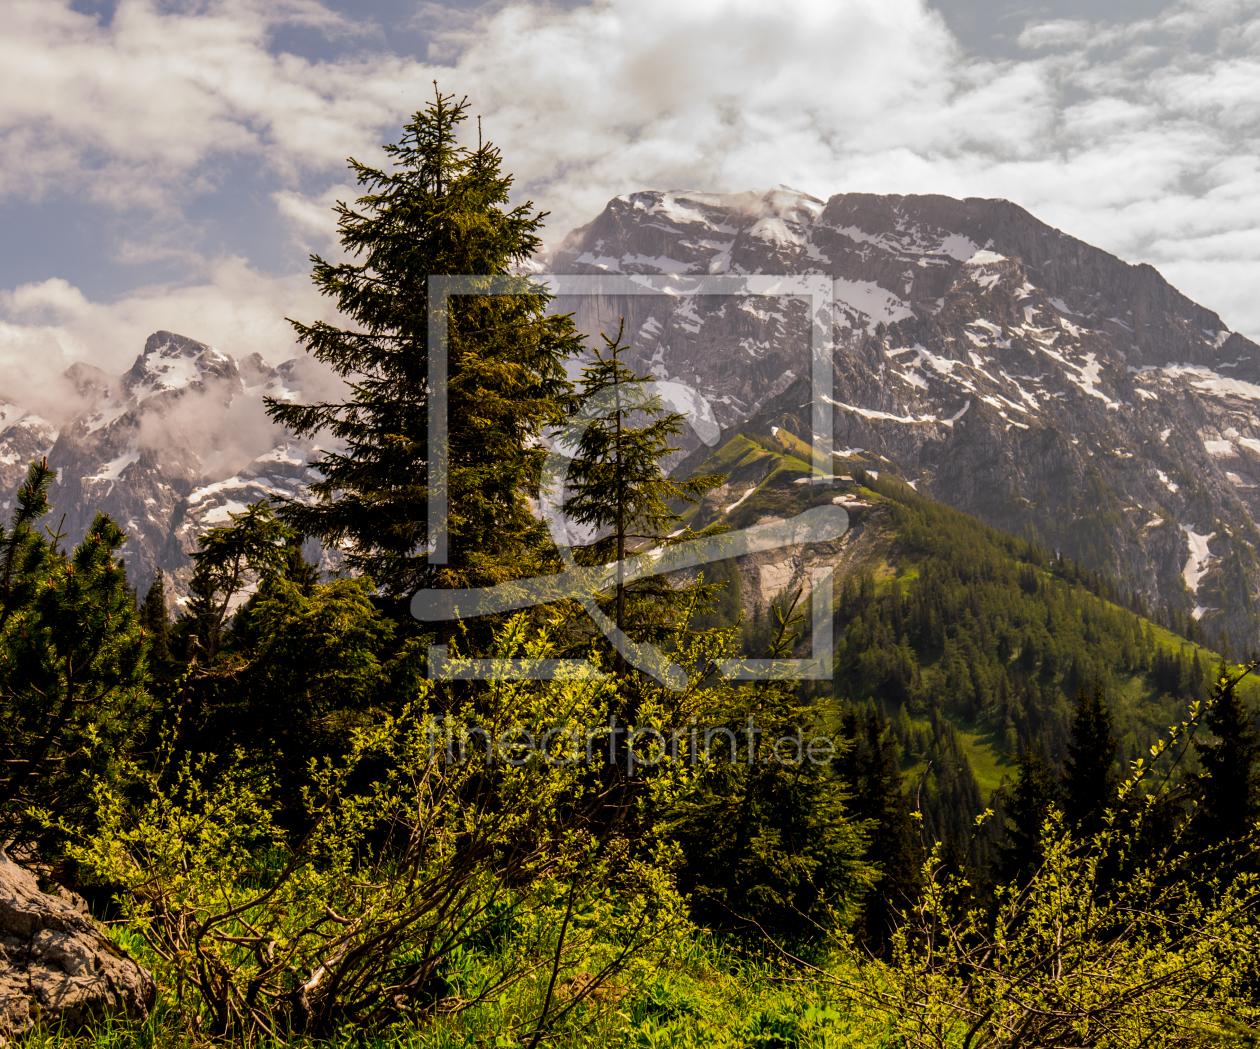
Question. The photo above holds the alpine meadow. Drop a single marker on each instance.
(974, 763)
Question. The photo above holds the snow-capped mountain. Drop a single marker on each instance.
(998, 364)
(169, 449)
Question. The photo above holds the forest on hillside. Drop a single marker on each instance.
(1022, 812)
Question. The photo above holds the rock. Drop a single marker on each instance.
(1004, 367)
(56, 966)
(168, 449)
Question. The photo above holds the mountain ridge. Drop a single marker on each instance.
(168, 449)
(998, 364)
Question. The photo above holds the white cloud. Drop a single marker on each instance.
(1140, 138)
(1057, 33)
(45, 327)
(136, 113)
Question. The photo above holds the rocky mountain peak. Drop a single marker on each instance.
(168, 449)
(999, 364)
(174, 362)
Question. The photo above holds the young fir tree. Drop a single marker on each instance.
(441, 208)
(72, 668)
(617, 488)
(871, 769)
(768, 836)
(1034, 795)
(155, 619)
(1228, 788)
(1089, 779)
(256, 544)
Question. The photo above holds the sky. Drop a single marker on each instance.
(171, 164)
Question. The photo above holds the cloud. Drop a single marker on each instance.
(45, 327)
(1060, 32)
(1139, 137)
(140, 113)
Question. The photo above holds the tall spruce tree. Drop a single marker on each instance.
(1034, 795)
(1228, 788)
(441, 209)
(870, 766)
(1089, 778)
(617, 486)
(155, 619)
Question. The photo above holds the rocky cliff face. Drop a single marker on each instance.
(169, 449)
(998, 364)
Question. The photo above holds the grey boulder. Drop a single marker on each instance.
(56, 966)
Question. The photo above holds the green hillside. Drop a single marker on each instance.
(969, 640)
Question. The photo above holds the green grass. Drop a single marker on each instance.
(701, 993)
(982, 749)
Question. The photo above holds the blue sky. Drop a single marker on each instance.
(171, 163)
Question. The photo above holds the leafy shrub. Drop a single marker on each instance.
(360, 918)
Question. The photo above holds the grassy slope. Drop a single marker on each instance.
(773, 463)
(696, 994)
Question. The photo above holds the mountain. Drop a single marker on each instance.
(168, 449)
(998, 365)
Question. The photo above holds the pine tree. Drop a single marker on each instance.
(442, 209)
(1034, 795)
(72, 667)
(1089, 778)
(768, 835)
(1228, 788)
(228, 558)
(616, 485)
(155, 619)
(280, 665)
(870, 767)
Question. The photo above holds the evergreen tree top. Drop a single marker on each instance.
(1229, 786)
(1089, 779)
(439, 208)
(619, 437)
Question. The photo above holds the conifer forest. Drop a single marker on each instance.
(1018, 808)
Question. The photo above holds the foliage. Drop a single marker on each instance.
(869, 766)
(962, 625)
(1228, 787)
(440, 210)
(155, 618)
(615, 487)
(767, 839)
(226, 560)
(1089, 778)
(359, 917)
(72, 665)
(1073, 955)
(1032, 798)
(298, 664)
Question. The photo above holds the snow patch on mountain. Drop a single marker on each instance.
(1197, 564)
(113, 469)
(870, 300)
